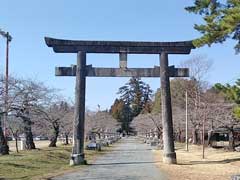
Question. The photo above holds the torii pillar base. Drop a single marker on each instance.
(170, 158)
(77, 159)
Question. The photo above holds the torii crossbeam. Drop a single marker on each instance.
(123, 48)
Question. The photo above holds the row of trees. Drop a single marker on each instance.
(210, 105)
(136, 96)
(31, 104)
(34, 109)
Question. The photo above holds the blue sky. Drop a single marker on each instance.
(30, 21)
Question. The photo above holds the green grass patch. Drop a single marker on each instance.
(39, 163)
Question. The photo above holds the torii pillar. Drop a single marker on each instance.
(169, 154)
(77, 156)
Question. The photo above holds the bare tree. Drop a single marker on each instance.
(100, 121)
(143, 123)
(4, 148)
(66, 127)
(199, 67)
(28, 97)
(54, 115)
(16, 128)
(29, 100)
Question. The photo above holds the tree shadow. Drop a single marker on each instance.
(225, 161)
(23, 177)
(19, 166)
(129, 150)
(123, 163)
(57, 156)
(16, 155)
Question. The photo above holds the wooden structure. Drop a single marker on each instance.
(123, 48)
(222, 137)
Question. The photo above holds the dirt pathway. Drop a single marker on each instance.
(129, 160)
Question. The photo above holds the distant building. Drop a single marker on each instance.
(221, 137)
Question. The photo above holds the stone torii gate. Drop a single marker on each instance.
(123, 48)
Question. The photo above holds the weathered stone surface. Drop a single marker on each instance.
(79, 111)
(77, 159)
(130, 47)
(122, 72)
(169, 155)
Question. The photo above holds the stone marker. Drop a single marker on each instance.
(22, 144)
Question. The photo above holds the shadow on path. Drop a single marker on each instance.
(129, 150)
(121, 163)
(225, 161)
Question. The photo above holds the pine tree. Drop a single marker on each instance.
(222, 21)
(135, 98)
(136, 94)
(122, 113)
(232, 94)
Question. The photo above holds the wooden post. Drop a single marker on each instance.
(186, 138)
(79, 114)
(203, 135)
(169, 155)
(5, 115)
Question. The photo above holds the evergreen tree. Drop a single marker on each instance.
(122, 113)
(136, 94)
(157, 102)
(222, 21)
(135, 98)
(231, 94)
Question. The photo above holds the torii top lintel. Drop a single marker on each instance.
(129, 47)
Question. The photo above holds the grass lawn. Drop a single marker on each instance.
(39, 164)
(218, 164)
(38, 144)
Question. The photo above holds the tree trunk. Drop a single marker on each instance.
(28, 133)
(66, 139)
(195, 136)
(53, 140)
(4, 148)
(179, 135)
(16, 143)
(210, 133)
(231, 140)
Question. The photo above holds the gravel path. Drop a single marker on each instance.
(129, 160)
